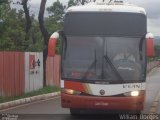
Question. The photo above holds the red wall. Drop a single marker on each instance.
(12, 74)
(53, 71)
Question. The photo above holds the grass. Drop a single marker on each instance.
(45, 90)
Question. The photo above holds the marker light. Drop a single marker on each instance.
(135, 93)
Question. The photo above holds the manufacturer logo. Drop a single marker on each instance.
(102, 92)
(132, 86)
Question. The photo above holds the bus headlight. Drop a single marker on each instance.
(135, 93)
(71, 92)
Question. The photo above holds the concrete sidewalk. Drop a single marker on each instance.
(28, 100)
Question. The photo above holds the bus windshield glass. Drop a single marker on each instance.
(108, 56)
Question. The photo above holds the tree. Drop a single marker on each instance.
(3, 2)
(72, 3)
(12, 34)
(28, 22)
(53, 23)
(45, 36)
(78, 2)
(85, 1)
(56, 12)
(57, 9)
(27, 16)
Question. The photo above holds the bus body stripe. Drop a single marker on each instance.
(115, 89)
(110, 89)
(78, 86)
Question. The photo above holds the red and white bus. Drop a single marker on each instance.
(104, 57)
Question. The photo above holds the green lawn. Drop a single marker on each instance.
(45, 90)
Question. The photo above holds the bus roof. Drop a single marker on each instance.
(103, 7)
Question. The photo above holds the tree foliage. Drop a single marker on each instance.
(54, 21)
(11, 29)
(57, 9)
(72, 3)
(78, 2)
(20, 30)
(3, 2)
(14, 34)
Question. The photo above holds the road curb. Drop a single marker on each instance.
(28, 100)
(154, 106)
(152, 70)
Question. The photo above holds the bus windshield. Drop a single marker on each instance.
(85, 59)
(107, 55)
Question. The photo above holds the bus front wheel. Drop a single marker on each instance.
(74, 112)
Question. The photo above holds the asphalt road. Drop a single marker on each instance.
(153, 89)
(51, 109)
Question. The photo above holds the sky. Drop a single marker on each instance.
(151, 7)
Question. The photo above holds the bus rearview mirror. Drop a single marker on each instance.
(52, 44)
(150, 45)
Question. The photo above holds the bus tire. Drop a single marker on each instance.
(136, 112)
(74, 112)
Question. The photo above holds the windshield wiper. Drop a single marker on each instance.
(91, 66)
(113, 68)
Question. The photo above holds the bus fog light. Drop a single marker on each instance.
(134, 93)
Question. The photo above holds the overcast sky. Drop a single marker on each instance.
(151, 7)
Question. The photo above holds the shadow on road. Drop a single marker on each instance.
(68, 117)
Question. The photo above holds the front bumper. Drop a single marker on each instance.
(109, 103)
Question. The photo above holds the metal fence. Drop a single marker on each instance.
(11, 73)
(53, 70)
(33, 71)
(20, 73)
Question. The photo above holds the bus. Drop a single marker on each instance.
(103, 57)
